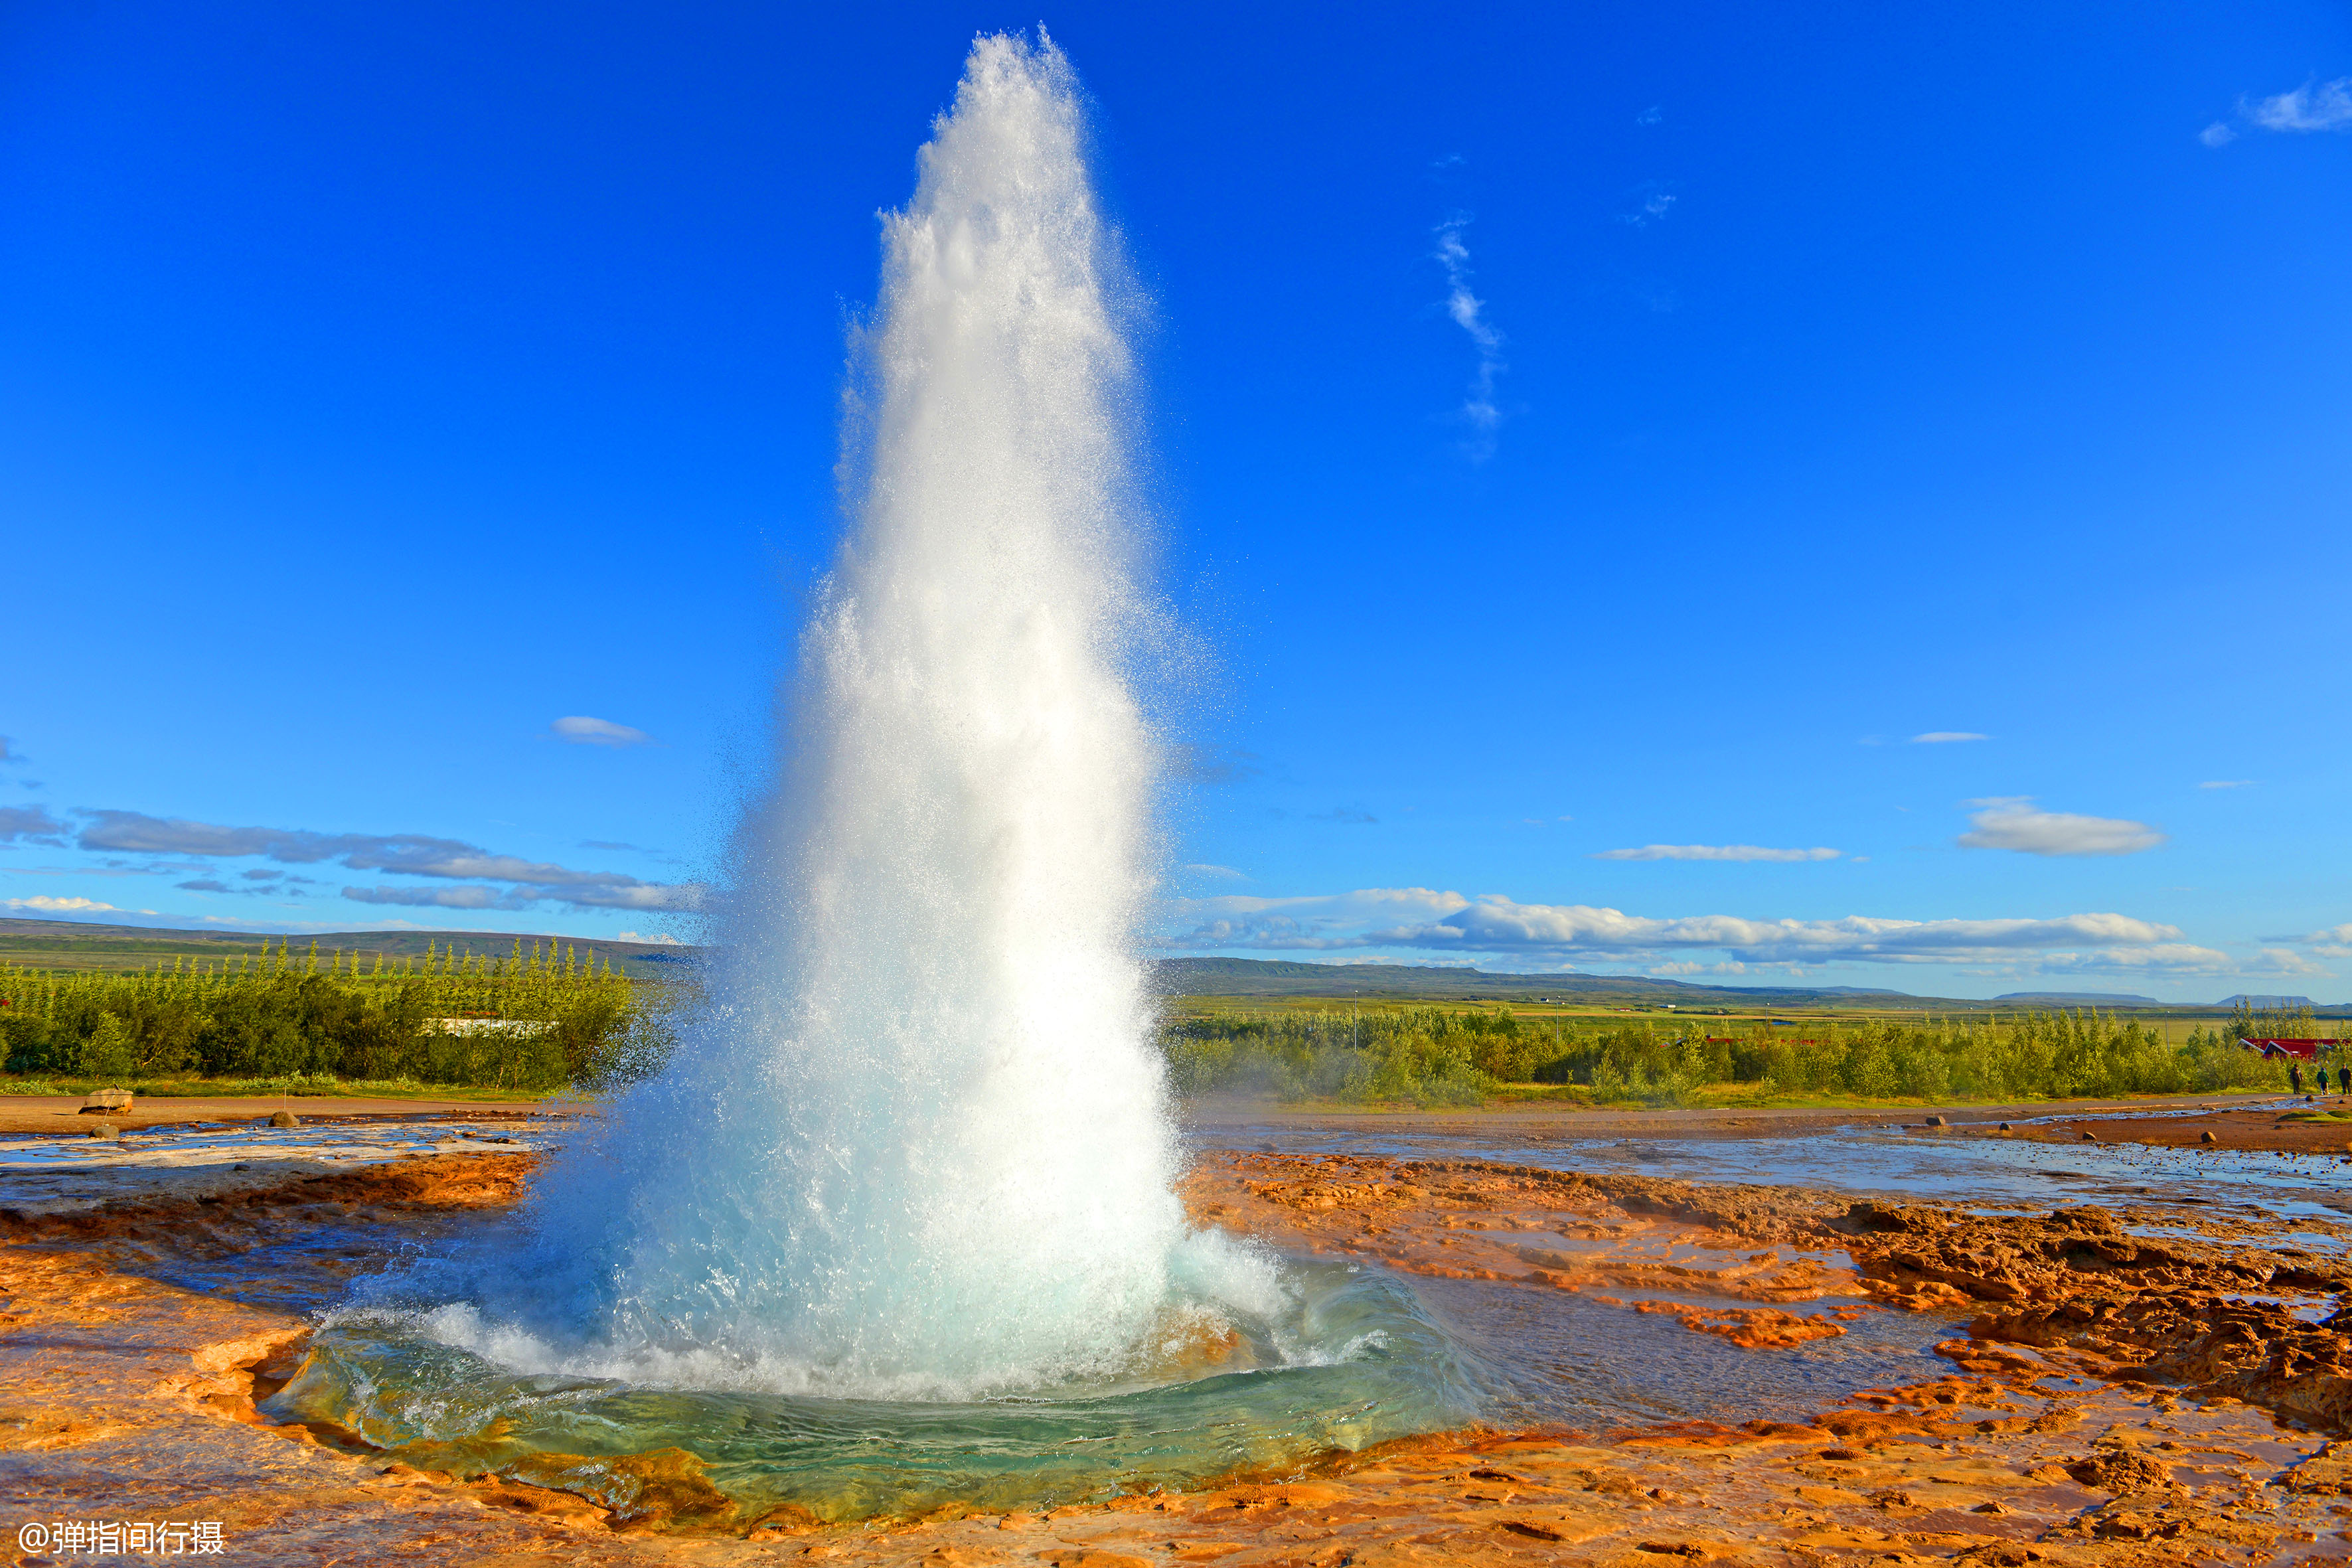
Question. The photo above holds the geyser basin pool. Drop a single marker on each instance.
(1349, 1360)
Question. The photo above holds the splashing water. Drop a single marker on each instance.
(897, 1220)
(921, 1149)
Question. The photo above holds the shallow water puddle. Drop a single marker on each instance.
(1877, 1163)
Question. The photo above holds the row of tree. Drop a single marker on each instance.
(1432, 1055)
(529, 1020)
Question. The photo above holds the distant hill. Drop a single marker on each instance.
(2269, 1002)
(2087, 997)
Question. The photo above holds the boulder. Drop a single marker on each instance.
(107, 1101)
(106, 1130)
(283, 1119)
(1937, 1121)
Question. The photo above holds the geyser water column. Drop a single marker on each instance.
(917, 1146)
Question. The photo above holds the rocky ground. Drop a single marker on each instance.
(2110, 1396)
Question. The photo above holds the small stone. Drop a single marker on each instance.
(240, 1167)
(1937, 1121)
(2089, 1136)
(2207, 1137)
(2004, 1127)
(283, 1119)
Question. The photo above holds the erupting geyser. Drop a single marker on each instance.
(917, 1147)
(912, 1154)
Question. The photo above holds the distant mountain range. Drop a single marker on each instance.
(2084, 998)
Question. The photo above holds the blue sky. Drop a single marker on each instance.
(1604, 446)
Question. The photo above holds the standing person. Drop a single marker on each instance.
(2344, 1080)
(2294, 1075)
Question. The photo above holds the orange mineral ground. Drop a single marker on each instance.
(2105, 1397)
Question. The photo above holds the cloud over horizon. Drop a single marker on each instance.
(1491, 925)
(52, 906)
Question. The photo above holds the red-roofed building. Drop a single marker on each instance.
(2302, 1050)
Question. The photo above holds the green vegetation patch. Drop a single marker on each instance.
(1431, 1056)
(526, 1023)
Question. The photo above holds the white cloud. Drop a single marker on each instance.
(659, 938)
(2012, 823)
(1223, 871)
(1494, 926)
(2336, 942)
(581, 731)
(49, 906)
(1713, 852)
(1479, 410)
(2217, 135)
(2227, 784)
(2326, 107)
(1946, 737)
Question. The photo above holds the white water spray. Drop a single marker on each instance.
(918, 1147)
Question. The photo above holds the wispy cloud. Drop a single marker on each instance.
(1656, 202)
(1492, 926)
(1713, 852)
(407, 854)
(2313, 105)
(2325, 107)
(581, 730)
(2227, 784)
(8, 753)
(1946, 737)
(656, 939)
(1226, 872)
(1479, 410)
(2011, 822)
